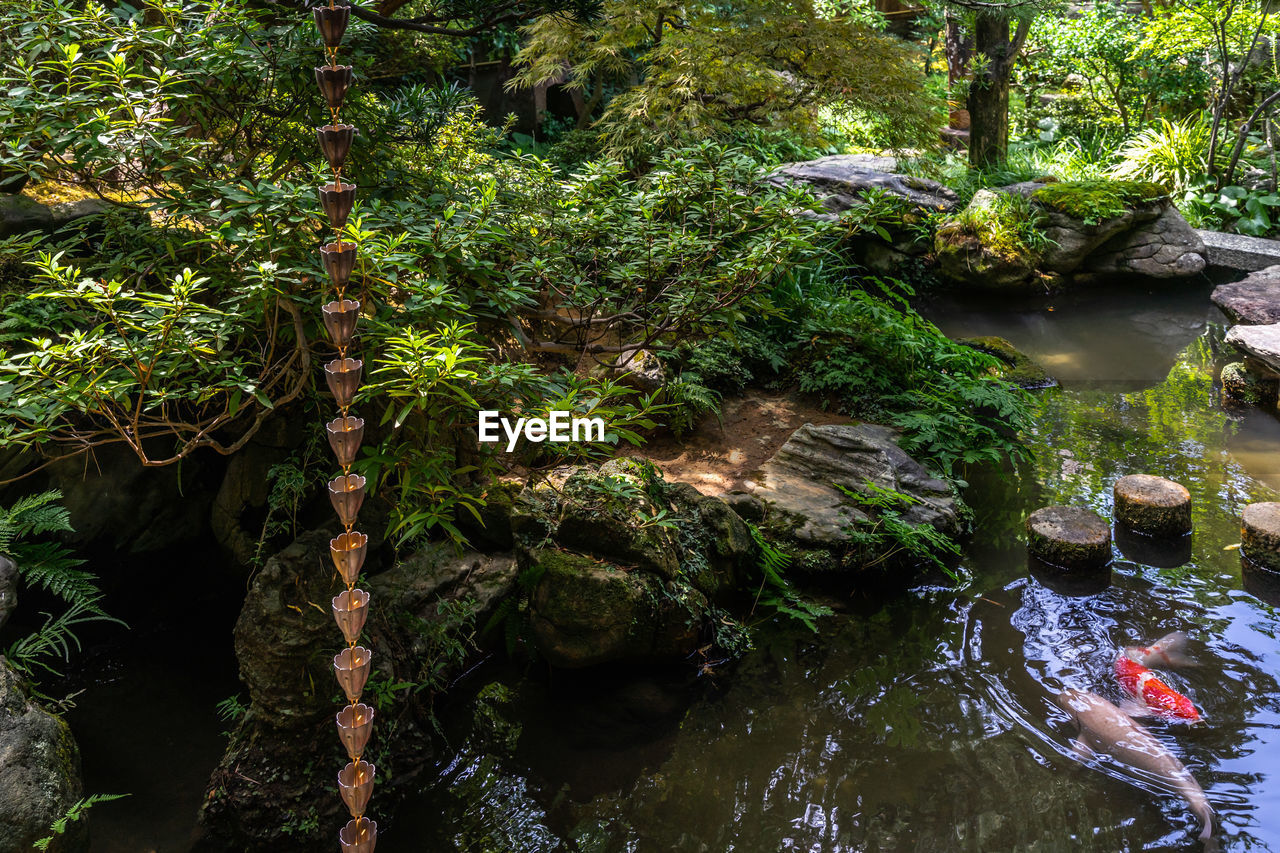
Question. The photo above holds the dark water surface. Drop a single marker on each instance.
(923, 724)
(927, 724)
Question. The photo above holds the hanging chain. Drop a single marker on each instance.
(347, 490)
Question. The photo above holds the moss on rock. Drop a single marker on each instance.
(1096, 200)
(587, 612)
(1017, 367)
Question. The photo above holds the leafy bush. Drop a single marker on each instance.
(1251, 212)
(1171, 154)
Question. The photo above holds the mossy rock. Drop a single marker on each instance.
(1152, 505)
(1017, 367)
(1071, 538)
(586, 612)
(1094, 201)
(718, 551)
(39, 773)
(1260, 535)
(1244, 387)
(986, 244)
(493, 530)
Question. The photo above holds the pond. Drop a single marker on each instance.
(923, 724)
(928, 723)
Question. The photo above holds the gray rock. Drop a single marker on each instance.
(841, 180)
(801, 484)
(641, 370)
(8, 588)
(117, 504)
(284, 751)
(1252, 301)
(1152, 505)
(586, 612)
(1165, 248)
(1260, 343)
(19, 214)
(1069, 538)
(39, 773)
(1238, 252)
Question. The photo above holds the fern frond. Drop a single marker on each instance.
(56, 638)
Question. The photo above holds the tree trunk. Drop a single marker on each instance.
(989, 91)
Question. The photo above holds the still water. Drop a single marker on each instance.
(927, 723)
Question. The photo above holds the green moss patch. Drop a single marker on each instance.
(1016, 366)
(1097, 200)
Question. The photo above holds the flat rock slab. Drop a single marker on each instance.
(1152, 505)
(1070, 538)
(1252, 301)
(1260, 535)
(1238, 252)
(1261, 343)
(803, 482)
(841, 180)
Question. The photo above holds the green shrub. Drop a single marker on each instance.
(1170, 154)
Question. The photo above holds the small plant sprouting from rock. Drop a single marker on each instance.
(78, 811)
(48, 565)
(230, 710)
(889, 536)
(776, 591)
(1008, 225)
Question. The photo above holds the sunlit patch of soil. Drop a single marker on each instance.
(719, 455)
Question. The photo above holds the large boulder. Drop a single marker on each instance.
(806, 487)
(1261, 344)
(1147, 237)
(1166, 247)
(19, 215)
(626, 564)
(1252, 301)
(586, 612)
(285, 750)
(841, 182)
(39, 773)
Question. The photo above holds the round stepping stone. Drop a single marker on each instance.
(1260, 535)
(1070, 538)
(1152, 505)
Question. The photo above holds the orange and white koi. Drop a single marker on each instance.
(1136, 678)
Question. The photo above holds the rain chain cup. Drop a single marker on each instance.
(351, 666)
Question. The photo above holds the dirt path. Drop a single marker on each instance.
(715, 459)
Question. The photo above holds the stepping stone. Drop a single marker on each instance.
(1152, 505)
(1070, 538)
(1261, 343)
(1252, 301)
(1260, 535)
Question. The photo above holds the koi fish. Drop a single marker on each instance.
(1137, 679)
(1105, 728)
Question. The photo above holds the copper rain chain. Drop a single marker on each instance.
(351, 607)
